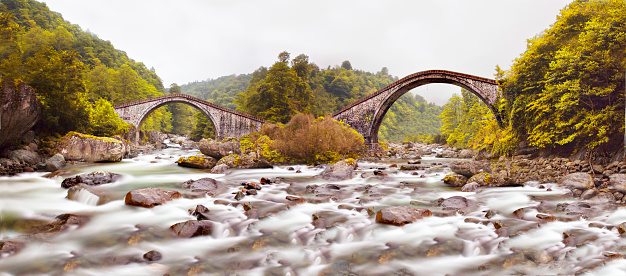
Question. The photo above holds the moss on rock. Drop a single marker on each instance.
(197, 161)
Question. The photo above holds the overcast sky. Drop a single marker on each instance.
(189, 40)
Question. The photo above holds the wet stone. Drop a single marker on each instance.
(328, 219)
(192, 228)
(401, 215)
(205, 186)
(91, 179)
(152, 256)
(150, 197)
(456, 204)
(8, 248)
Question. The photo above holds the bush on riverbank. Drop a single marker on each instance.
(305, 140)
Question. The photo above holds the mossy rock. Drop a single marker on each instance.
(455, 180)
(197, 162)
(76, 146)
(237, 161)
(487, 179)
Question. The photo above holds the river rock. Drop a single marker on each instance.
(470, 168)
(471, 187)
(66, 221)
(341, 170)
(617, 182)
(8, 248)
(581, 181)
(588, 194)
(55, 162)
(197, 162)
(155, 137)
(25, 156)
(192, 228)
(455, 180)
(153, 256)
(237, 161)
(447, 153)
(92, 179)
(487, 179)
(220, 169)
(400, 215)
(76, 146)
(457, 204)
(21, 109)
(219, 149)
(205, 186)
(89, 194)
(150, 197)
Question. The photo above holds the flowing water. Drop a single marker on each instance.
(501, 234)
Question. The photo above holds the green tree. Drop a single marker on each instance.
(273, 97)
(346, 65)
(203, 127)
(182, 121)
(464, 117)
(567, 89)
(104, 121)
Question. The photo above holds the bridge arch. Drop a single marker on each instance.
(227, 123)
(366, 115)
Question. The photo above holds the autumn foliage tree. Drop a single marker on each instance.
(567, 89)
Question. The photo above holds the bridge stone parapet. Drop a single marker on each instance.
(366, 115)
(227, 123)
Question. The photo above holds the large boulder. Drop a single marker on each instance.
(205, 185)
(55, 162)
(487, 179)
(219, 149)
(20, 110)
(470, 168)
(341, 170)
(580, 180)
(455, 180)
(197, 162)
(150, 197)
(618, 182)
(89, 194)
(240, 162)
(91, 179)
(82, 147)
(192, 228)
(25, 156)
(401, 215)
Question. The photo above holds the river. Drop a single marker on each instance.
(505, 231)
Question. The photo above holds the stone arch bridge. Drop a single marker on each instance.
(227, 123)
(366, 115)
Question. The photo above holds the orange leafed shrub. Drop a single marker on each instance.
(310, 140)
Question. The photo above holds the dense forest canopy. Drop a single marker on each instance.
(78, 76)
(300, 86)
(565, 93)
(567, 89)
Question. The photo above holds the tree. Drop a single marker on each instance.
(278, 93)
(104, 121)
(567, 89)
(181, 113)
(203, 127)
(346, 65)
